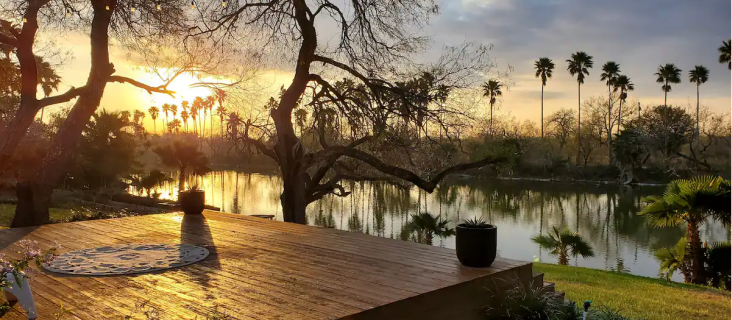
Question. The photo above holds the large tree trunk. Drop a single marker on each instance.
(698, 275)
(35, 195)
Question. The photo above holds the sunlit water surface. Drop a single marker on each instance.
(604, 215)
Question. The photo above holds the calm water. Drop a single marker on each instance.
(604, 215)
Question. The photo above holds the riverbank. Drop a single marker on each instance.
(638, 297)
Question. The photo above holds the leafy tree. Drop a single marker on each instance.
(153, 179)
(724, 53)
(492, 90)
(184, 156)
(427, 226)
(667, 128)
(719, 255)
(698, 75)
(174, 126)
(666, 74)
(184, 115)
(579, 66)
(384, 91)
(544, 67)
(630, 150)
(693, 202)
(563, 244)
(560, 125)
(610, 74)
(154, 112)
(623, 84)
(675, 259)
(107, 151)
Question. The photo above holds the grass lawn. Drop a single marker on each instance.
(638, 297)
(7, 211)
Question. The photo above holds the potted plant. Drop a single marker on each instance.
(192, 201)
(476, 243)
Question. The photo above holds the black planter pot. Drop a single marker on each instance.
(476, 246)
(192, 201)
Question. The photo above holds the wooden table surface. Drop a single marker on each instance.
(257, 269)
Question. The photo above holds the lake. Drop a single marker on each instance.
(605, 215)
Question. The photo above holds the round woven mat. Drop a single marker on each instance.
(126, 259)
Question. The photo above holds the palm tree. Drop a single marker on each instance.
(544, 68)
(154, 111)
(579, 65)
(185, 156)
(724, 53)
(194, 115)
(47, 78)
(666, 74)
(610, 73)
(210, 102)
(492, 89)
(174, 126)
(221, 112)
(623, 84)
(221, 97)
(301, 116)
(427, 226)
(564, 243)
(138, 116)
(184, 115)
(166, 109)
(675, 259)
(232, 124)
(691, 201)
(698, 75)
(174, 110)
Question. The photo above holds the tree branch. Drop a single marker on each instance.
(68, 95)
(427, 185)
(149, 89)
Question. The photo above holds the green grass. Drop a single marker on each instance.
(7, 211)
(638, 297)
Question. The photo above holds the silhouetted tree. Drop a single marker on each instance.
(544, 67)
(724, 53)
(579, 66)
(698, 75)
(666, 74)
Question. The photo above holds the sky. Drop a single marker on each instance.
(639, 35)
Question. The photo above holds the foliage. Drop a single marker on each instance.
(675, 259)
(667, 129)
(30, 254)
(691, 201)
(153, 179)
(426, 226)
(563, 243)
(522, 303)
(724, 54)
(718, 257)
(185, 156)
(107, 150)
(475, 222)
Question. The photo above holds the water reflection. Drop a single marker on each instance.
(604, 215)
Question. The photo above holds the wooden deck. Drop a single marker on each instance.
(262, 269)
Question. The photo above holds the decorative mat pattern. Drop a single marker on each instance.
(126, 259)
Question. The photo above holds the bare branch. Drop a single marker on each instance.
(149, 89)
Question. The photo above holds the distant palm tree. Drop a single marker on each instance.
(563, 243)
(579, 65)
(492, 89)
(138, 116)
(694, 202)
(724, 53)
(544, 68)
(232, 124)
(194, 115)
(184, 156)
(221, 112)
(698, 75)
(166, 109)
(174, 110)
(48, 79)
(427, 226)
(610, 73)
(210, 102)
(666, 74)
(154, 111)
(184, 115)
(623, 84)
(221, 97)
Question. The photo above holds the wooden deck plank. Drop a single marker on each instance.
(257, 269)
